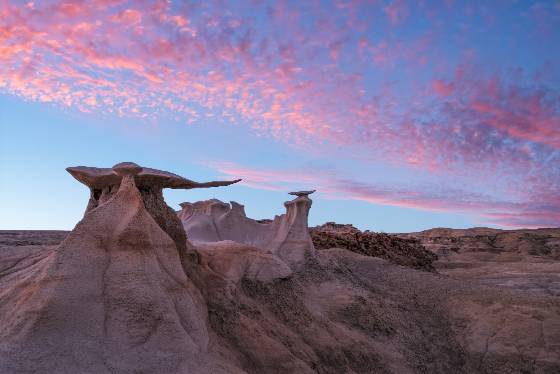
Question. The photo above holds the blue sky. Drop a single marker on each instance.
(38, 142)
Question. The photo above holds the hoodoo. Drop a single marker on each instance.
(113, 296)
(286, 236)
(104, 182)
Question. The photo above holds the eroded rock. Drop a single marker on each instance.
(286, 236)
(113, 296)
(407, 252)
(104, 182)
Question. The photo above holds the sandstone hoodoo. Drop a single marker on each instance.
(286, 236)
(114, 295)
(104, 182)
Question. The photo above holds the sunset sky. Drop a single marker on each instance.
(404, 115)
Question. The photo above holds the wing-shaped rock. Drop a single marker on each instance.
(104, 182)
(99, 178)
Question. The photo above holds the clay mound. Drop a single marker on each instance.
(406, 252)
(285, 236)
(236, 262)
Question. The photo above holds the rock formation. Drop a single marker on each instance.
(287, 236)
(403, 251)
(302, 193)
(445, 242)
(113, 295)
(104, 182)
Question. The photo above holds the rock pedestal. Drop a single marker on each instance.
(292, 241)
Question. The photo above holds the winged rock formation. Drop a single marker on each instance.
(104, 182)
(287, 236)
(114, 294)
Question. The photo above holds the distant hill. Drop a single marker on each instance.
(543, 242)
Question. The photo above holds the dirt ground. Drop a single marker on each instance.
(488, 310)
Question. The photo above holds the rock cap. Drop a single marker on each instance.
(302, 193)
(127, 168)
(101, 177)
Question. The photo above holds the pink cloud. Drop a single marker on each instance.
(441, 88)
(127, 17)
(306, 84)
(397, 11)
(430, 198)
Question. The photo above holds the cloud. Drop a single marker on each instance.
(320, 77)
(441, 88)
(397, 11)
(488, 209)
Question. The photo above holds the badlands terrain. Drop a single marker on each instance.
(139, 287)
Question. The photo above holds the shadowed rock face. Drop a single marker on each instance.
(287, 236)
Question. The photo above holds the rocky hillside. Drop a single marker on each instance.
(443, 241)
(344, 313)
(402, 251)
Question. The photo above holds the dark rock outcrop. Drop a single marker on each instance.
(406, 252)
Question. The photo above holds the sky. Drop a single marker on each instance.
(403, 115)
